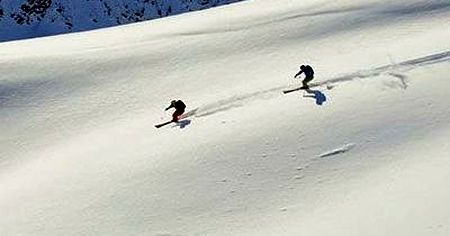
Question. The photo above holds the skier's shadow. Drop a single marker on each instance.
(317, 95)
(182, 123)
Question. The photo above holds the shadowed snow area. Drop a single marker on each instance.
(364, 151)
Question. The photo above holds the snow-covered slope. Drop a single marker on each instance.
(20, 19)
(365, 153)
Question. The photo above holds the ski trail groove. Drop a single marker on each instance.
(239, 100)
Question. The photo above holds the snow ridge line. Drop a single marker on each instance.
(340, 150)
(378, 10)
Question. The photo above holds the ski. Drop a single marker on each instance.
(183, 116)
(163, 124)
(293, 90)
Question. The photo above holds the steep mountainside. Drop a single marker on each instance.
(365, 151)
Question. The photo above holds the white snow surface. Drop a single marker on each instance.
(79, 153)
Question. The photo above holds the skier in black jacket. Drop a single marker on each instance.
(309, 75)
(179, 109)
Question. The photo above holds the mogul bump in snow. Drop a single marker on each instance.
(179, 109)
(309, 75)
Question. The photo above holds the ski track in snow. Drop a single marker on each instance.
(391, 70)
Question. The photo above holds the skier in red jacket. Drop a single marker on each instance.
(179, 109)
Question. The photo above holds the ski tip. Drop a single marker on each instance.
(163, 124)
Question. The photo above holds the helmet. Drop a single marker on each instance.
(302, 67)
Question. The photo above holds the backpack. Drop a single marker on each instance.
(310, 70)
(180, 105)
